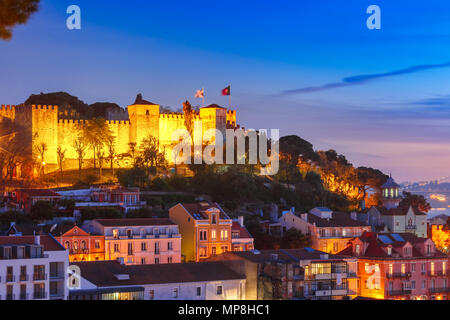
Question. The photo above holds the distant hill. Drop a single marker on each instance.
(72, 107)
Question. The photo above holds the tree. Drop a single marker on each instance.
(132, 147)
(95, 134)
(149, 155)
(189, 114)
(14, 12)
(61, 155)
(111, 148)
(416, 201)
(42, 210)
(293, 239)
(80, 149)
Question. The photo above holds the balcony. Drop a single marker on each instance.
(39, 295)
(410, 227)
(39, 277)
(23, 296)
(439, 290)
(440, 273)
(396, 293)
(398, 275)
(57, 276)
(56, 295)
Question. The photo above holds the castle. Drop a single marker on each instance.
(138, 121)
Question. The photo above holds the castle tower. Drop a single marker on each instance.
(144, 120)
(214, 117)
(390, 194)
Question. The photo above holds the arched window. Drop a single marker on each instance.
(67, 245)
(83, 244)
(75, 245)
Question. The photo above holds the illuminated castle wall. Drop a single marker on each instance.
(142, 119)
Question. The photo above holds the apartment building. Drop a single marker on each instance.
(205, 229)
(294, 274)
(241, 239)
(110, 280)
(138, 241)
(82, 245)
(32, 268)
(26, 198)
(399, 266)
(329, 231)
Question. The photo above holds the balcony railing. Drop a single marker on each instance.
(23, 296)
(402, 292)
(439, 290)
(39, 276)
(56, 276)
(440, 273)
(398, 275)
(410, 227)
(39, 295)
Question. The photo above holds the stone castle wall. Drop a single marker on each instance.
(144, 120)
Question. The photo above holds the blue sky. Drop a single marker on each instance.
(264, 49)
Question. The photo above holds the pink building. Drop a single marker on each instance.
(399, 266)
(139, 241)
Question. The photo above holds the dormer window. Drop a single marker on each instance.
(116, 234)
(389, 250)
(213, 218)
(358, 249)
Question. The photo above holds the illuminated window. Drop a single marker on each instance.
(432, 268)
(358, 249)
(391, 268)
(116, 234)
(403, 268)
(213, 251)
(203, 235)
(219, 290)
(366, 267)
(224, 234)
(444, 268)
(213, 218)
(377, 267)
(213, 234)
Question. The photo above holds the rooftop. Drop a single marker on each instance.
(39, 192)
(197, 210)
(106, 273)
(135, 222)
(49, 243)
(338, 219)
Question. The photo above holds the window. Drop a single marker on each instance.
(335, 246)
(423, 267)
(169, 260)
(202, 252)
(156, 247)
(213, 234)
(203, 235)
(9, 274)
(67, 245)
(366, 267)
(116, 234)
(444, 268)
(377, 267)
(213, 218)
(142, 260)
(358, 249)
(423, 284)
(403, 268)
(224, 249)
(170, 245)
(389, 250)
(156, 260)
(428, 250)
(143, 246)
(130, 234)
(391, 269)
(151, 294)
(413, 284)
(413, 267)
(223, 234)
(432, 268)
(199, 291)
(97, 244)
(219, 290)
(83, 245)
(130, 248)
(23, 273)
(116, 247)
(175, 293)
(75, 245)
(213, 251)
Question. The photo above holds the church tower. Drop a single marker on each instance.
(390, 194)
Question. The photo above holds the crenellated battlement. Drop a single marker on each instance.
(172, 115)
(44, 107)
(122, 122)
(7, 107)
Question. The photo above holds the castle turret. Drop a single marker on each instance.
(390, 194)
(144, 119)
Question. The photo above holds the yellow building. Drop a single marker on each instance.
(205, 229)
(141, 119)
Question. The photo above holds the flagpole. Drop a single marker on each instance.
(229, 98)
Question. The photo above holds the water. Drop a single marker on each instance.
(438, 207)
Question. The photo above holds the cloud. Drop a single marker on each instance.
(364, 78)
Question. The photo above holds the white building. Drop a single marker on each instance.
(138, 241)
(33, 268)
(111, 280)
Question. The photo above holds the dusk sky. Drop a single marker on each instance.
(310, 68)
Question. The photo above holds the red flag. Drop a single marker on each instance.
(226, 91)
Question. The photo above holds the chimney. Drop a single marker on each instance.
(37, 240)
(241, 221)
(304, 217)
